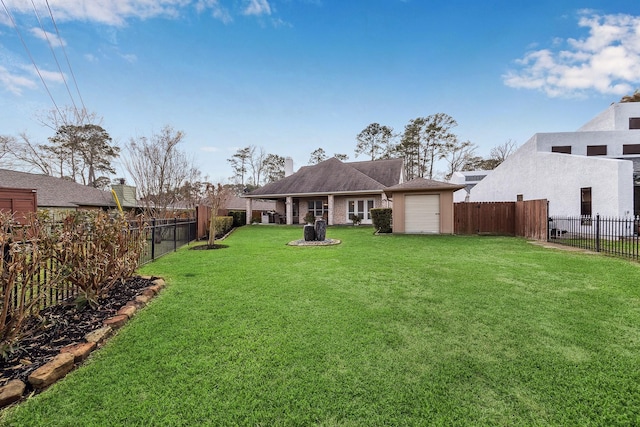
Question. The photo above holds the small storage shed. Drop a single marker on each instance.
(18, 201)
(423, 206)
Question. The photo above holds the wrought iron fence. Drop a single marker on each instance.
(165, 235)
(611, 235)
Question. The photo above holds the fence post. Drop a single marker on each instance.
(153, 239)
(598, 233)
(175, 228)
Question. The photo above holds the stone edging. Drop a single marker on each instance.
(73, 355)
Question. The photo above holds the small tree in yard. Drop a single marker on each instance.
(218, 197)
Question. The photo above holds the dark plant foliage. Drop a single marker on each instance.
(381, 218)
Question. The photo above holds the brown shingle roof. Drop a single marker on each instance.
(421, 184)
(333, 176)
(56, 192)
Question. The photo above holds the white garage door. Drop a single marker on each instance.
(422, 213)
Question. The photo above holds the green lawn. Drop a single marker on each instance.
(376, 331)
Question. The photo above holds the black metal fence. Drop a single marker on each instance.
(615, 236)
(166, 235)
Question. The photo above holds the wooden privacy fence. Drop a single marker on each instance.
(527, 219)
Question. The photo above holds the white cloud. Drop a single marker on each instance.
(606, 61)
(117, 12)
(47, 36)
(257, 7)
(15, 83)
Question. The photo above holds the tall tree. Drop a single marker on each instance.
(159, 169)
(318, 155)
(257, 156)
(83, 151)
(435, 134)
(273, 168)
(239, 162)
(374, 141)
(409, 148)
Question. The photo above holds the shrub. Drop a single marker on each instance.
(381, 218)
(356, 219)
(223, 225)
(96, 250)
(25, 254)
(239, 218)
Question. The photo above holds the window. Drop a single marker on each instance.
(564, 149)
(519, 197)
(634, 122)
(361, 208)
(474, 178)
(631, 149)
(596, 150)
(318, 207)
(585, 205)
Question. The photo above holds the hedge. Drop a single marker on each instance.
(381, 219)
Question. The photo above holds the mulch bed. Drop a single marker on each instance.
(62, 325)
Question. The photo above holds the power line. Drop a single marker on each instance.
(55, 57)
(24, 44)
(73, 76)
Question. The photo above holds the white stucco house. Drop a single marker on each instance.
(594, 170)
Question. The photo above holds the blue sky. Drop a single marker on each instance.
(295, 75)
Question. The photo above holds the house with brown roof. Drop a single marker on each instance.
(332, 190)
(57, 194)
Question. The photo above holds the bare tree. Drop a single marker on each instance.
(257, 157)
(499, 153)
(159, 169)
(458, 155)
(218, 196)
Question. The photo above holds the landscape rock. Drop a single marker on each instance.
(99, 335)
(143, 299)
(116, 322)
(155, 288)
(11, 392)
(80, 351)
(148, 293)
(52, 371)
(128, 310)
(159, 282)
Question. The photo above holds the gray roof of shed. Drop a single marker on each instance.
(56, 192)
(334, 176)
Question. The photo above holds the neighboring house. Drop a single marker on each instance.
(469, 179)
(332, 190)
(423, 206)
(595, 170)
(56, 194)
(265, 210)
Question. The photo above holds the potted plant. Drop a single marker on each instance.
(356, 219)
(310, 218)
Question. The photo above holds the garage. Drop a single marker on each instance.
(422, 206)
(422, 213)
